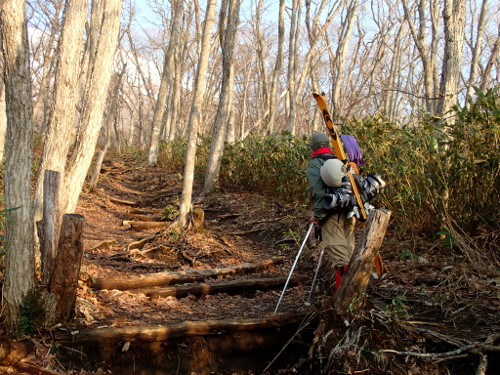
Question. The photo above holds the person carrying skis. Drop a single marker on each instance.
(334, 210)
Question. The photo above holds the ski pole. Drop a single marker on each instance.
(293, 266)
(308, 303)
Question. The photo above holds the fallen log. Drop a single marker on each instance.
(169, 278)
(141, 225)
(122, 201)
(142, 217)
(230, 287)
(146, 333)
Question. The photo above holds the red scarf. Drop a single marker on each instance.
(322, 150)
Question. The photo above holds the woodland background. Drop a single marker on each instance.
(221, 91)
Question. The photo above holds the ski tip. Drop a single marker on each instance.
(316, 94)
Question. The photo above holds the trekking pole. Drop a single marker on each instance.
(293, 266)
(308, 303)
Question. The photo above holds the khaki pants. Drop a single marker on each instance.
(337, 235)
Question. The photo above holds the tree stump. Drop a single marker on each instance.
(334, 339)
(66, 269)
(360, 267)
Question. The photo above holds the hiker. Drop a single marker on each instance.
(334, 201)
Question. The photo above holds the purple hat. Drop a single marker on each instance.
(352, 149)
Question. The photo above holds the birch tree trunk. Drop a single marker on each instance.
(454, 23)
(195, 115)
(166, 79)
(228, 41)
(94, 102)
(19, 279)
(61, 121)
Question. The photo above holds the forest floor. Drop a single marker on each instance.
(449, 312)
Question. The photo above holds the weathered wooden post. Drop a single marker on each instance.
(360, 267)
(340, 306)
(65, 272)
(48, 227)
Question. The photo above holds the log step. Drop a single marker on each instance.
(160, 333)
(169, 278)
(231, 287)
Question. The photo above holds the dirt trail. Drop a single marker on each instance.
(426, 287)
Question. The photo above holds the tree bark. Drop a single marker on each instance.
(3, 120)
(454, 24)
(195, 116)
(19, 279)
(66, 270)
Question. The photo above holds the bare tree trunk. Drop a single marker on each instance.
(491, 62)
(19, 279)
(339, 57)
(61, 121)
(277, 68)
(195, 115)
(48, 62)
(94, 102)
(292, 65)
(228, 41)
(166, 79)
(454, 23)
(476, 50)
(428, 58)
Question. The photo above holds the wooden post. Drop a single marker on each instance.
(48, 227)
(66, 267)
(360, 268)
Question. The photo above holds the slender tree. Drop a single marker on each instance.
(166, 80)
(195, 116)
(230, 11)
